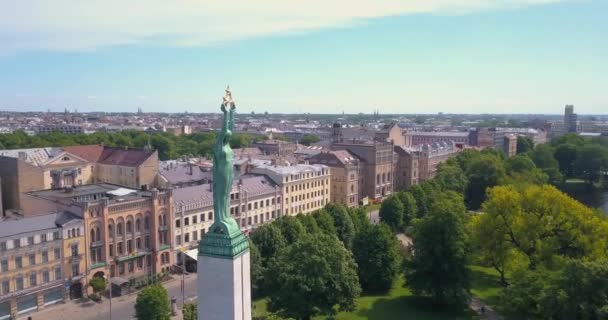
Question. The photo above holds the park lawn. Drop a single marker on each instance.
(485, 285)
(399, 303)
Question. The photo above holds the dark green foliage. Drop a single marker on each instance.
(376, 252)
(438, 266)
(257, 270)
(391, 213)
(423, 200)
(98, 284)
(189, 310)
(153, 304)
(168, 146)
(484, 172)
(577, 291)
(566, 155)
(451, 178)
(309, 139)
(524, 144)
(291, 228)
(325, 222)
(269, 241)
(309, 223)
(543, 157)
(314, 276)
(345, 229)
(409, 207)
(591, 161)
(359, 218)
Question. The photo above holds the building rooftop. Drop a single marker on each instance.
(180, 172)
(293, 169)
(91, 192)
(252, 184)
(10, 228)
(35, 156)
(110, 155)
(438, 133)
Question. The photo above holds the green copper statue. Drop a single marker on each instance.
(223, 171)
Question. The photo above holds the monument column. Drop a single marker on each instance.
(224, 282)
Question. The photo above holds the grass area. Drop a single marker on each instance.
(485, 285)
(399, 303)
(372, 207)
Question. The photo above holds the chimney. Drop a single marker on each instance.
(22, 156)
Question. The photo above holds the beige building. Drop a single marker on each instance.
(344, 170)
(25, 170)
(254, 200)
(393, 134)
(127, 232)
(406, 170)
(41, 261)
(510, 145)
(305, 187)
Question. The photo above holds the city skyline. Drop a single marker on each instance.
(421, 57)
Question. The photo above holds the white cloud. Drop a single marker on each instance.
(89, 24)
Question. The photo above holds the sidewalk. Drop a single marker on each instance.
(123, 308)
(488, 313)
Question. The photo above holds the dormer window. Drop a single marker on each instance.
(65, 159)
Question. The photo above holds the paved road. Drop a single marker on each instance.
(122, 307)
(374, 216)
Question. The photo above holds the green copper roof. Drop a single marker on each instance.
(223, 244)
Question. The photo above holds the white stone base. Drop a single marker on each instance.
(224, 288)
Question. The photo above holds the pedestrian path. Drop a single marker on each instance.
(485, 311)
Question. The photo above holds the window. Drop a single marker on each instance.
(129, 246)
(43, 237)
(140, 263)
(32, 279)
(4, 265)
(111, 230)
(75, 270)
(194, 236)
(56, 235)
(119, 248)
(58, 273)
(186, 221)
(177, 223)
(187, 237)
(17, 243)
(202, 217)
(131, 266)
(138, 244)
(45, 256)
(74, 250)
(202, 233)
(119, 228)
(147, 242)
(32, 259)
(19, 283)
(137, 225)
(111, 250)
(210, 216)
(18, 263)
(121, 268)
(193, 219)
(129, 227)
(147, 223)
(178, 239)
(6, 288)
(30, 240)
(3, 246)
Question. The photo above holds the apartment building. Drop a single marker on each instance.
(430, 156)
(254, 200)
(416, 138)
(41, 261)
(25, 170)
(344, 170)
(406, 170)
(304, 187)
(377, 162)
(127, 232)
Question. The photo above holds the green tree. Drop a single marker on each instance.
(376, 252)
(152, 303)
(422, 199)
(325, 222)
(291, 228)
(591, 161)
(269, 240)
(190, 311)
(359, 218)
(524, 144)
(451, 178)
(256, 270)
(543, 157)
(485, 172)
(409, 207)
(309, 139)
(438, 266)
(309, 223)
(344, 225)
(566, 155)
(391, 213)
(98, 284)
(312, 277)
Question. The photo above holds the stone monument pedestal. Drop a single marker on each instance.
(224, 282)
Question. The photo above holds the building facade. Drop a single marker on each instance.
(41, 262)
(344, 171)
(406, 170)
(304, 187)
(127, 232)
(416, 138)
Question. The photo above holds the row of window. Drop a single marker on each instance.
(307, 185)
(306, 175)
(308, 195)
(19, 284)
(31, 258)
(120, 247)
(30, 240)
(208, 215)
(311, 205)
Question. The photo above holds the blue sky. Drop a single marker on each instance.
(461, 56)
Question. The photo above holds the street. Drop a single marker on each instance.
(123, 308)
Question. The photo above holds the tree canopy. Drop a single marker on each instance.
(152, 303)
(376, 252)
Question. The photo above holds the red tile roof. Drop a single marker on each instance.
(110, 155)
